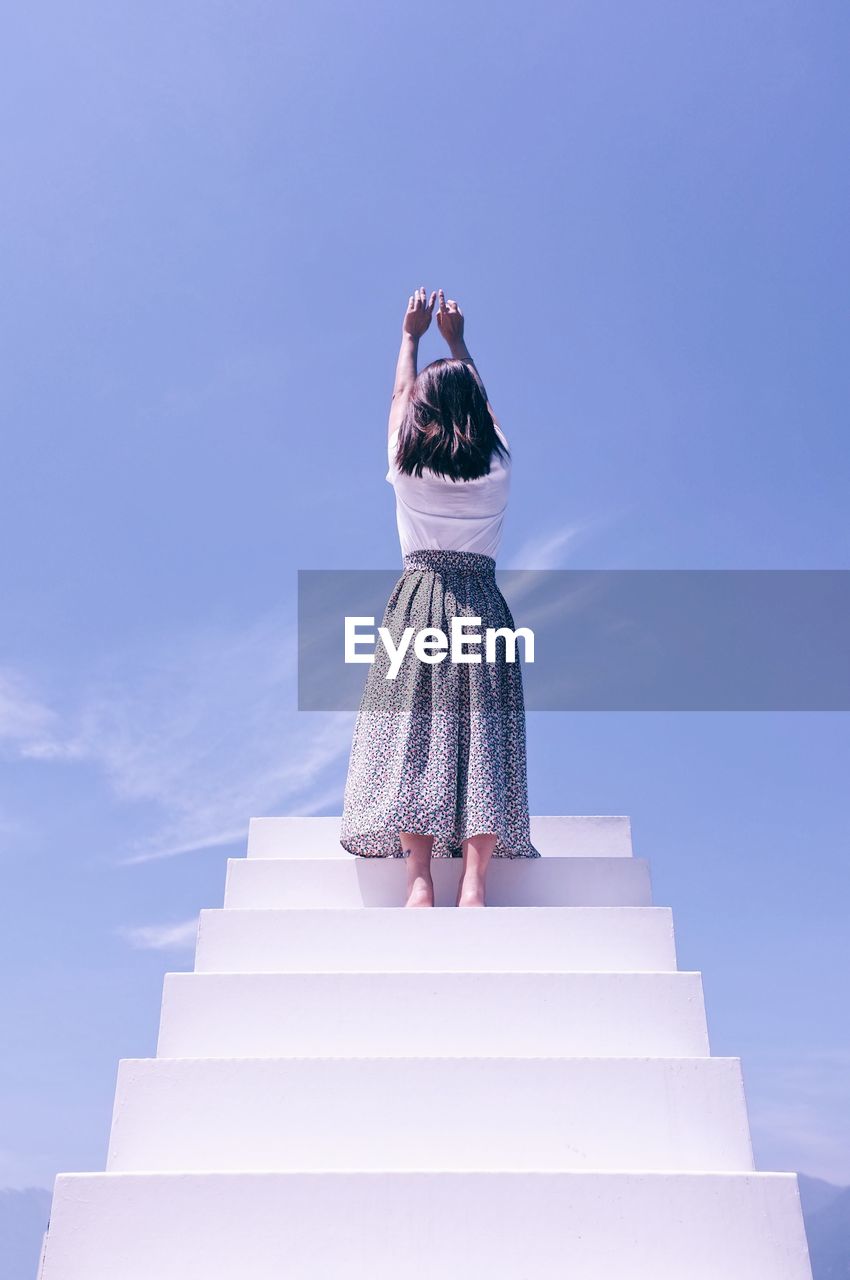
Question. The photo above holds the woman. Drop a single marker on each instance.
(437, 765)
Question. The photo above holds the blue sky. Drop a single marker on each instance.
(214, 214)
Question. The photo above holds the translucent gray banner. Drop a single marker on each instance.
(623, 640)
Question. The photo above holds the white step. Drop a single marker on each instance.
(556, 939)
(593, 836)
(456, 1226)
(384, 1114)
(254, 1015)
(380, 882)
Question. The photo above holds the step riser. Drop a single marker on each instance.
(575, 837)
(380, 882)
(602, 1226)
(397, 941)
(421, 1114)
(432, 1015)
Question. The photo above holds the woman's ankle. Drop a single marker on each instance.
(420, 890)
(471, 889)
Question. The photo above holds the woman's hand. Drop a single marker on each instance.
(418, 314)
(450, 321)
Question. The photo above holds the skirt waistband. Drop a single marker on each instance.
(436, 559)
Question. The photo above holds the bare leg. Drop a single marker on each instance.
(420, 888)
(477, 851)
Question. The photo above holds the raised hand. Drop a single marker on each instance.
(418, 315)
(450, 320)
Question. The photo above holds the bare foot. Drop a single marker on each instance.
(477, 852)
(470, 892)
(420, 892)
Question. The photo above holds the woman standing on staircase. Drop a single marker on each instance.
(438, 763)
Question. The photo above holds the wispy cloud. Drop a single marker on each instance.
(26, 722)
(548, 550)
(554, 547)
(199, 728)
(162, 937)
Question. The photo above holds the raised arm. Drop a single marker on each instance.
(417, 318)
(450, 324)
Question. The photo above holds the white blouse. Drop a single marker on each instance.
(434, 512)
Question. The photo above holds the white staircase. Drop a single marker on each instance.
(346, 1089)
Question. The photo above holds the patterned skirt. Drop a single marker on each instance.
(440, 749)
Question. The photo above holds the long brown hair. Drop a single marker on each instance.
(447, 426)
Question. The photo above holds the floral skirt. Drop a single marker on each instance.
(440, 749)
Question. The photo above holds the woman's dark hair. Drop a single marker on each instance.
(447, 427)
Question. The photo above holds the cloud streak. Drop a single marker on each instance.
(548, 550)
(553, 548)
(162, 937)
(26, 722)
(198, 731)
